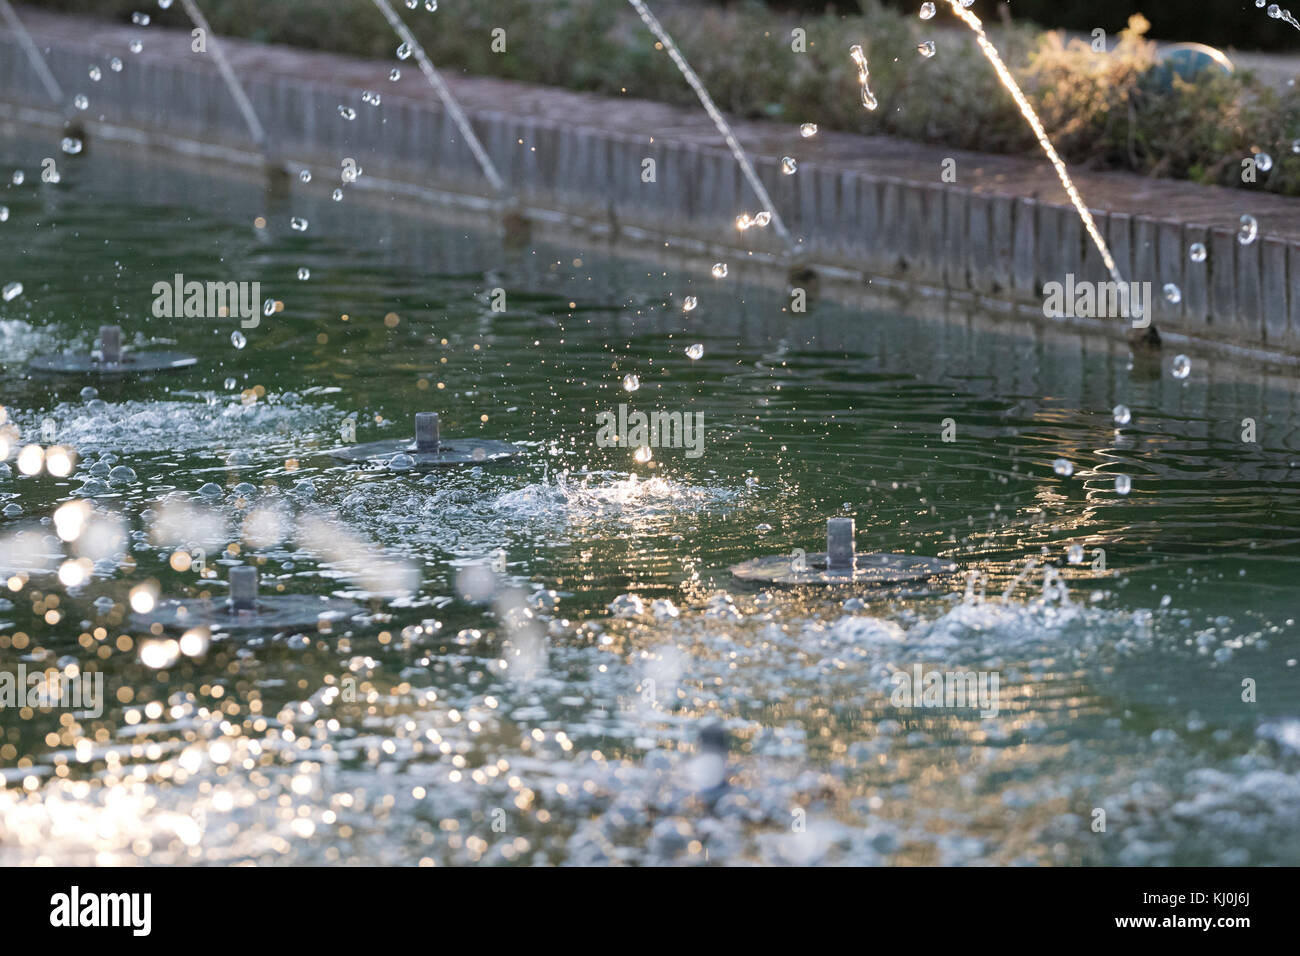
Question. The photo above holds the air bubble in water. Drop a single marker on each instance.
(305, 176)
(695, 351)
(788, 165)
(299, 224)
(12, 291)
(808, 130)
(1075, 554)
(926, 49)
(71, 145)
(347, 112)
(1196, 252)
(719, 270)
(1173, 295)
(1182, 366)
(927, 10)
(631, 382)
(1122, 415)
(304, 274)
(1249, 230)
(689, 303)
(1123, 484)
(1063, 467)
(237, 339)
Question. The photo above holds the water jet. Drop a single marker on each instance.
(246, 609)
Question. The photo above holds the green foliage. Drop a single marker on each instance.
(1101, 109)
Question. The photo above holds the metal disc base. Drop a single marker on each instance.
(133, 363)
(872, 568)
(274, 612)
(457, 451)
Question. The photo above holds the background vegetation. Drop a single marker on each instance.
(1102, 109)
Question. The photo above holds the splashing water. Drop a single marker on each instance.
(1277, 13)
(412, 45)
(868, 98)
(990, 51)
(714, 114)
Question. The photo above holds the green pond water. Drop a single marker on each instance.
(554, 717)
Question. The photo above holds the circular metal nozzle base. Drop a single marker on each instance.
(132, 363)
(870, 569)
(273, 612)
(457, 451)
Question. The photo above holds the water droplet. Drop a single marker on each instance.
(71, 145)
(719, 270)
(81, 102)
(763, 218)
(347, 112)
(374, 99)
(135, 46)
(394, 74)
(926, 49)
(1123, 484)
(412, 4)
(810, 129)
(115, 65)
(1196, 252)
(17, 178)
(12, 291)
(4, 213)
(1263, 162)
(305, 176)
(644, 454)
(164, 4)
(298, 223)
(237, 339)
(304, 274)
(631, 382)
(404, 51)
(1248, 231)
(689, 303)
(1075, 554)
(431, 6)
(1182, 366)
(268, 309)
(927, 10)
(743, 222)
(1295, 146)
(1063, 467)
(1275, 11)
(1122, 415)
(1173, 295)
(96, 74)
(337, 195)
(695, 351)
(788, 165)
(140, 19)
